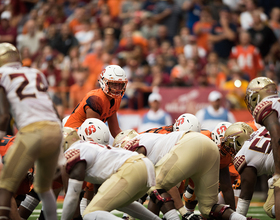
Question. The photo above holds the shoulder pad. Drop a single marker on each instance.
(239, 163)
(262, 110)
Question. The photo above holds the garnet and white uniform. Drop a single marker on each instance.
(182, 155)
(257, 152)
(39, 135)
(125, 176)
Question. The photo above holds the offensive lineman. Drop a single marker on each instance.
(177, 156)
(39, 137)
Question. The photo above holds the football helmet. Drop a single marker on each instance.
(219, 132)
(187, 122)
(69, 137)
(113, 81)
(235, 136)
(124, 137)
(258, 89)
(95, 130)
(8, 54)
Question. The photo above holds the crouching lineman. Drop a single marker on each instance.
(255, 158)
(125, 176)
(178, 156)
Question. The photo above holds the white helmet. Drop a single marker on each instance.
(113, 81)
(123, 137)
(187, 122)
(219, 131)
(95, 130)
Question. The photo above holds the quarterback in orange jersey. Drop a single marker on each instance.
(102, 103)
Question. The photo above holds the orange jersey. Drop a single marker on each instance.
(206, 133)
(160, 130)
(248, 59)
(5, 143)
(96, 100)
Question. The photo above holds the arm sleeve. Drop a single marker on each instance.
(71, 199)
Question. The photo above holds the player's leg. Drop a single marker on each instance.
(17, 162)
(122, 188)
(269, 205)
(46, 165)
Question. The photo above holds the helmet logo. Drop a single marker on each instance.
(102, 73)
(180, 121)
(90, 129)
(221, 129)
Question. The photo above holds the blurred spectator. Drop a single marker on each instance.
(236, 89)
(93, 61)
(247, 56)
(31, 39)
(53, 75)
(214, 7)
(234, 5)
(85, 35)
(210, 116)
(202, 29)
(64, 40)
(168, 13)
(156, 116)
(193, 8)
(184, 73)
(25, 57)
(110, 41)
(149, 28)
(7, 32)
(246, 17)
(80, 88)
(192, 50)
(223, 34)
(158, 77)
(215, 76)
(263, 37)
(128, 10)
(168, 53)
(70, 6)
(162, 35)
(274, 22)
(77, 22)
(178, 45)
(212, 58)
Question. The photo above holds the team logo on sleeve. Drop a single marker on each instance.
(90, 130)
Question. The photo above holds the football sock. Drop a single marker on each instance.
(100, 215)
(49, 203)
(183, 210)
(172, 215)
(137, 210)
(237, 216)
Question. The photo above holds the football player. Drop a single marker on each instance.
(255, 158)
(200, 161)
(124, 177)
(24, 91)
(102, 103)
(264, 104)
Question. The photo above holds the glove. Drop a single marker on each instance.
(191, 216)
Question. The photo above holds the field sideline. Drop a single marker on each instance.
(255, 211)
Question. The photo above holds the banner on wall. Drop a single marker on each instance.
(178, 101)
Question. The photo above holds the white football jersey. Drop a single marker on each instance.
(256, 152)
(26, 91)
(102, 161)
(158, 145)
(265, 107)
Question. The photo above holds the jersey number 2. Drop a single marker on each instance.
(39, 85)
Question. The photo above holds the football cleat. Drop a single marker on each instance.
(187, 122)
(95, 130)
(113, 81)
(257, 90)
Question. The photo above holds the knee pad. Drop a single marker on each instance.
(215, 214)
(158, 199)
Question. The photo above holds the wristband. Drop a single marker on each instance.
(243, 206)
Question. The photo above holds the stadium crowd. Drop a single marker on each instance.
(158, 43)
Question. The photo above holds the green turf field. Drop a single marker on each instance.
(254, 211)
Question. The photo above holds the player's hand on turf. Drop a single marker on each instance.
(191, 216)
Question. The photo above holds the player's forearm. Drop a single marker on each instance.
(72, 198)
(229, 197)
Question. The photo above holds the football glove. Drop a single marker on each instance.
(191, 216)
